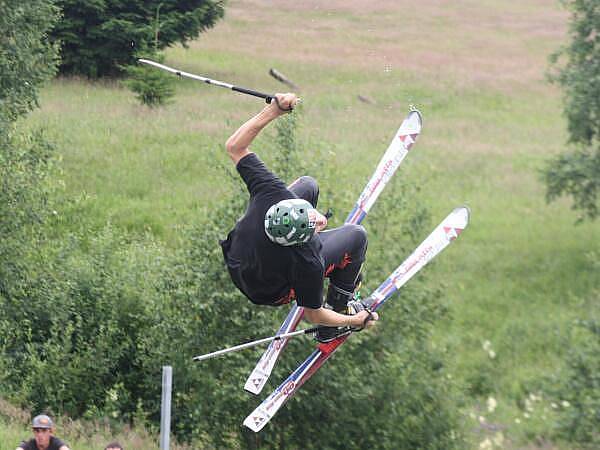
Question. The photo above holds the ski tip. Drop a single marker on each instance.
(413, 111)
(467, 211)
(461, 216)
(412, 124)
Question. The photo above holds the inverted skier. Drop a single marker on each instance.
(279, 250)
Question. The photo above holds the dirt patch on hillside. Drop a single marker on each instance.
(468, 40)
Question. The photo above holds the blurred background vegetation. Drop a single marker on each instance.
(111, 214)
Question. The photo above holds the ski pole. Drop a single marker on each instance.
(267, 97)
(257, 342)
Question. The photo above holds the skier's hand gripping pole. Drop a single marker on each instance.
(285, 103)
(362, 312)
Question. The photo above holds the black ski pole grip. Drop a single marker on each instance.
(268, 98)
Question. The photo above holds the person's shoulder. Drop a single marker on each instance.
(26, 445)
(57, 444)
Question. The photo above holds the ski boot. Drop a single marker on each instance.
(343, 302)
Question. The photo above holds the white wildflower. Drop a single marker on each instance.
(517, 420)
(113, 395)
(491, 404)
(554, 405)
(486, 444)
(528, 405)
(526, 415)
(481, 420)
(487, 346)
(498, 439)
(492, 354)
(565, 404)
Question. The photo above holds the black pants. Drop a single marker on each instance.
(344, 248)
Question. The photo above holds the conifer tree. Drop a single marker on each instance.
(99, 37)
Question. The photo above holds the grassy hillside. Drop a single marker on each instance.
(520, 274)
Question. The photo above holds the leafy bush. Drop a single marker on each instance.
(387, 380)
(98, 38)
(71, 331)
(94, 318)
(26, 57)
(577, 388)
(576, 173)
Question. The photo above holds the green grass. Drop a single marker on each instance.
(517, 277)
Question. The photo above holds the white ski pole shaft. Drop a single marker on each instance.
(254, 343)
(267, 97)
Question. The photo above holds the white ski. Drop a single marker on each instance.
(404, 139)
(438, 240)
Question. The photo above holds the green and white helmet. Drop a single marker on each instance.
(290, 222)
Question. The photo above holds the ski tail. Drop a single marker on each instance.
(260, 374)
(403, 140)
(445, 233)
(257, 420)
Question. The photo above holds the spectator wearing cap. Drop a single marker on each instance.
(42, 436)
(113, 446)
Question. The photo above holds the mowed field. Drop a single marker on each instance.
(514, 281)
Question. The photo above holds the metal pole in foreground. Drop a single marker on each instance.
(253, 343)
(267, 97)
(165, 408)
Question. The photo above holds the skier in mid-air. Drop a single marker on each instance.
(279, 251)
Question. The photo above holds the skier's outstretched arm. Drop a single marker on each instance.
(239, 142)
(327, 317)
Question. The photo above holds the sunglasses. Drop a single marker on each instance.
(41, 430)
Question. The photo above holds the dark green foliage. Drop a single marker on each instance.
(577, 388)
(577, 173)
(152, 87)
(388, 380)
(87, 327)
(480, 381)
(25, 166)
(26, 61)
(26, 57)
(98, 37)
(71, 330)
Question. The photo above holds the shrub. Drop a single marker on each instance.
(577, 389)
(388, 380)
(98, 38)
(27, 59)
(576, 173)
(152, 87)
(94, 318)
